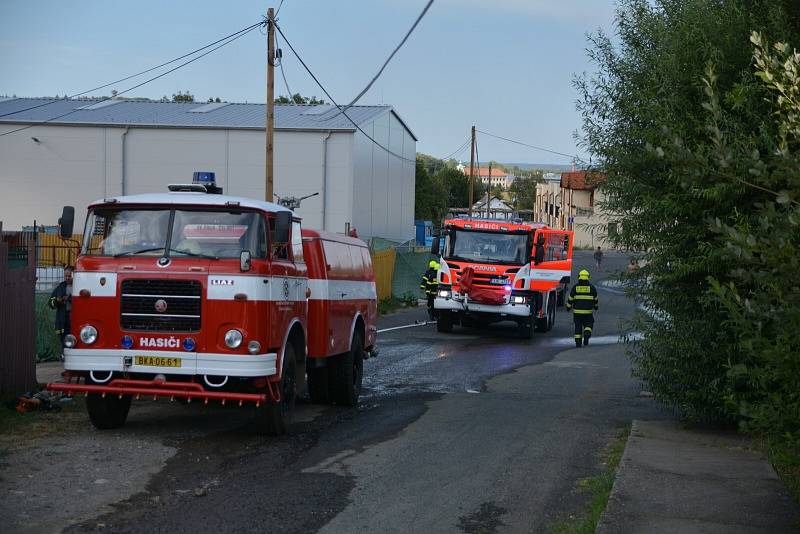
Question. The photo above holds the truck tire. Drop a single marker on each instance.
(347, 373)
(273, 418)
(317, 380)
(107, 412)
(444, 323)
(526, 328)
(545, 324)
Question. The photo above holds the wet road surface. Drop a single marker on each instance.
(474, 431)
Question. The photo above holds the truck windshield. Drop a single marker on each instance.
(185, 232)
(488, 247)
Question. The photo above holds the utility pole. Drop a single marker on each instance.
(471, 171)
(270, 128)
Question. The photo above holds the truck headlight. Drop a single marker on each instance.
(444, 293)
(254, 347)
(233, 338)
(88, 334)
(519, 300)
(69, 341)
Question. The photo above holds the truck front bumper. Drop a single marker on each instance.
(512, 310)
(191, 363)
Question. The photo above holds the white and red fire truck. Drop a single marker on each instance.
(200, 296)
(496, 270)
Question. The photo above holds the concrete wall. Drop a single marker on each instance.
(383, 184)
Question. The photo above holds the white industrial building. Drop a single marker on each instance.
(89, 150)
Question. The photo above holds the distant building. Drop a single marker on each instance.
(493, 208)
(90, 149)
(569, 201)
(497, 177)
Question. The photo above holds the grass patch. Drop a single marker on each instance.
(393, 303)
(598, 487)
(16, 428)
(784, 456)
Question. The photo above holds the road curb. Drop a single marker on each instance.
(674, 478)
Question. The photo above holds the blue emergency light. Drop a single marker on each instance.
(204, 178)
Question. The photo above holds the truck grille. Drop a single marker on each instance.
(183, 302)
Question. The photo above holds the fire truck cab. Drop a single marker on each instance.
(496, 270)
(201, 296)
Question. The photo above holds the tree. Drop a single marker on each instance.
(523, 189)
(699, 149)
(432, 164)
(297, 98)
(430, 196)
(217, 100)
(183, 97)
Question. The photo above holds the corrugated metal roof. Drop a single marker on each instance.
(184, 114)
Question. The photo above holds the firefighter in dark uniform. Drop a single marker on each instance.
(583, 301)
(430, 284)
(61, 302)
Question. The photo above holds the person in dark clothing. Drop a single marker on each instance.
(430, 284)
(583, 301)
(61, 302)
(598, 258)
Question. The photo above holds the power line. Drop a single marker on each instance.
(457, 151)
(38, 123)
(135, 75)
(283, 74)
(279, 8)
(308, 70)
(385, 63)
(528, 145)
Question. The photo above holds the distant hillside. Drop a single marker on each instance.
(547, 167)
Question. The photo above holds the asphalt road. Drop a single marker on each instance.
(474, 431)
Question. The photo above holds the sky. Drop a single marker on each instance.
(505, 66)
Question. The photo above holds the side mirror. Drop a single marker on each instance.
(283, 225)
(66, 222)
(244, 261)
(435, 246)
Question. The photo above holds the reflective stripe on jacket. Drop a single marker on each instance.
(429, 284)
(583, 299)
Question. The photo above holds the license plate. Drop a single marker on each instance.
(158, 361)
(499, 281)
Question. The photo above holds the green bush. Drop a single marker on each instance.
(697, 130)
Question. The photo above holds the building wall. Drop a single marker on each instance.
(77, 165)
(383, 184)
(588, 222)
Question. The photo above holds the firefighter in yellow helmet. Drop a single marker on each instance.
(430, 284)
(583, 302)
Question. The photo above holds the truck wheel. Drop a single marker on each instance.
(526, 328)
(109, 412)
(348, 373)
(445, 322)
(317, 380)
(551, 317)
(545, 324)
(273, 418)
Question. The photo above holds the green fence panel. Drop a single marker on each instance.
(408, 269)
(48, 346)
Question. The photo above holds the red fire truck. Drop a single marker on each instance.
(496, 270)
(200, 296)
